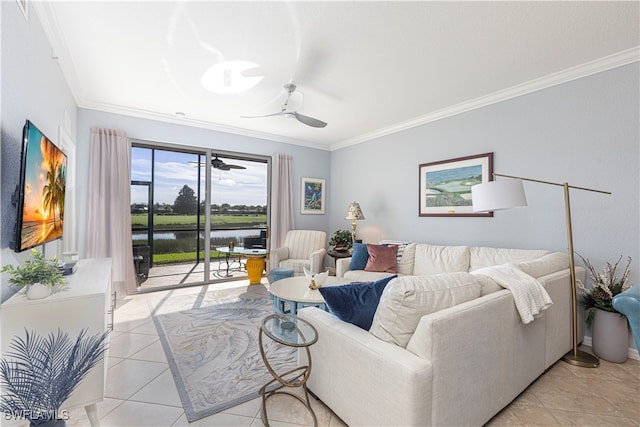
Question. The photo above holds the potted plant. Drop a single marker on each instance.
(609, 328)
(38, 274)
(40, 373)
(341, 240)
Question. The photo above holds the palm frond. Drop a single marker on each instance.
(43, 372)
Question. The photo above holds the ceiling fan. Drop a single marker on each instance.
(219, 164)
(309, 121)
(216, 163)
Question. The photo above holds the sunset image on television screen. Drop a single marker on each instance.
(44, 190)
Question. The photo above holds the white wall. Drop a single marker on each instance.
(33, 88)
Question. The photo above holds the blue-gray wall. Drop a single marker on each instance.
(308, 162)
(33, 88)
(584, 132)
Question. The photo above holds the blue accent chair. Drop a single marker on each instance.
(628, 303)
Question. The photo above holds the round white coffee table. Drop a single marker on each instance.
(295, 292)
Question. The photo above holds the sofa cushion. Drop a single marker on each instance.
(481, 257)
(408, 298)
(405, 265)
(382, 258)
(355, 302)
(433, 259)
(364, 276)
(547, 264)
(359, 256)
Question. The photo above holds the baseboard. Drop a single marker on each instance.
(633, 352)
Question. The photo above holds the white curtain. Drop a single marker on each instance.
(109, 210)
(281, 199)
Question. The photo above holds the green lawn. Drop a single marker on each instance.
(218, 221)
(182, 257)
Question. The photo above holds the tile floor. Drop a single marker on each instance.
(140, 389)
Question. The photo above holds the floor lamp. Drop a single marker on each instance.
(506, 194)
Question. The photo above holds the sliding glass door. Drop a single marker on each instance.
(169, 211)
(239, 202)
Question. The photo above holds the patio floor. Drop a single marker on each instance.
(189, 274)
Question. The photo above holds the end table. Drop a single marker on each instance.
(289, 330)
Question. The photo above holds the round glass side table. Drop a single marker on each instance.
(289, 330)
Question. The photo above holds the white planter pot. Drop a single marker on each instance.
(610, 336)
(38, 291)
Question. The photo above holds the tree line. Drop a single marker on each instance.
(186, 203)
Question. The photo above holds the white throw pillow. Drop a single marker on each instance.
(433, 259)
(547, 264)
(405, 265)
(406, 299)
(481, 256)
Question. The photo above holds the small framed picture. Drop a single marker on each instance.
(445, 186)
(312, 197)
(24, 8)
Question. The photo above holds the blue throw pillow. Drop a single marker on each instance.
(355, 302)
(359, 256)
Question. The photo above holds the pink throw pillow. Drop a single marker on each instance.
(382, 258)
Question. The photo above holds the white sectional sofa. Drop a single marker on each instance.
(463, 361)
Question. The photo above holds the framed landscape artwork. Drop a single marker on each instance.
(445, 186)
(313, 196)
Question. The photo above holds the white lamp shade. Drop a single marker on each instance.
(497, 195)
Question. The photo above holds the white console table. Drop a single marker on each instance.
(86, 302)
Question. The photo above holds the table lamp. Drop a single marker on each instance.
(354, 214)
(497, 195)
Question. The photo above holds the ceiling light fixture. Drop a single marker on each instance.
(226, 77)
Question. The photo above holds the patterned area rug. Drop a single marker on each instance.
(211, 343)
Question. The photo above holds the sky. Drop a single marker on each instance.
(39, 150)
(173, 170)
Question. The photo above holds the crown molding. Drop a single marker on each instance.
(59, 49)
(616, 60)
(185, 121)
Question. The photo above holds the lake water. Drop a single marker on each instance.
(216, 234)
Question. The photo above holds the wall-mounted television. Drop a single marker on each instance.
(39, 197)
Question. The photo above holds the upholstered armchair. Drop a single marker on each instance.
(301, 248)
(628, 303)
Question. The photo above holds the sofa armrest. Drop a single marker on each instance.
(474, 346)
(383, 372)
(277, 255)
(628, 303)
(342, 266)
(317, 260)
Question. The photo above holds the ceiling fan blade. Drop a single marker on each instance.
(235, 166)
(279, 113)
(309, 121)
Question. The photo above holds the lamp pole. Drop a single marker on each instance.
(575, 356)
